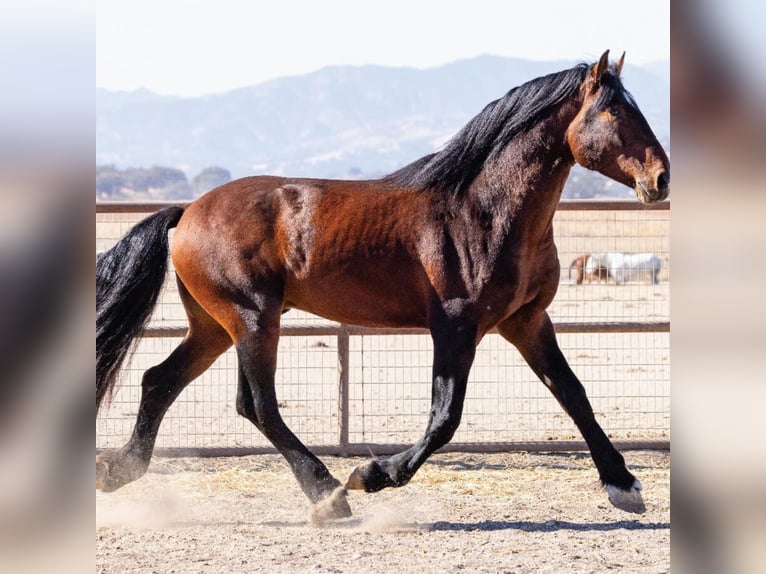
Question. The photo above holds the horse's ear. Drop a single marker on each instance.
(599, 69)
(620, 62)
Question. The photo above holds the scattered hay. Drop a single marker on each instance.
(501, 474)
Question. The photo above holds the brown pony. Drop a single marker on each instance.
(459, 242)
(580, 264)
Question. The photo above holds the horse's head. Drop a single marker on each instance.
(610, 135)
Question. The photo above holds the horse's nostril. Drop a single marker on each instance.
(663, 181)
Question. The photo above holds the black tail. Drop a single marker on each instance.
(129, 278)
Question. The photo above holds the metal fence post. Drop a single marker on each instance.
(343, 378)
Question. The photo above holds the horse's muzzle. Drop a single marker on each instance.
(663, 185)
(653, 192)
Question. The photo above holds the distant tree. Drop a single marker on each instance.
(157, 182)
(109, 182)
(177, 190)
(164, 177)
(210, 178)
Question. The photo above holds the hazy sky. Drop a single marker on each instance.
(194, 47)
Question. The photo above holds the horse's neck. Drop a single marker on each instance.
(525, 181)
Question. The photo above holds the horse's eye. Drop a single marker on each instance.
(616, 113)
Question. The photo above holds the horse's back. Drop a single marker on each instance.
(330, 247)
(262, 221)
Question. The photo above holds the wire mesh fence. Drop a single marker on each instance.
(615, 336)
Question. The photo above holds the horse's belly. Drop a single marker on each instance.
(392, 303)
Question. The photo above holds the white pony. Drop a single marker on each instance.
(624, 267)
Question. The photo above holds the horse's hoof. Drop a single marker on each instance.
(114, 470)
(106, 479)
(369, 477)
(627, 500)
(102, 474)
(333, 507)
(357, 479)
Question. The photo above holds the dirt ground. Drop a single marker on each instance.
(510, 512)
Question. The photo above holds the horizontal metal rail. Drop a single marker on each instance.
(369, 449)
(334, 329)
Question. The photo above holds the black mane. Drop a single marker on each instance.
(454, 168)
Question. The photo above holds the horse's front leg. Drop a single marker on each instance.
(454, 350)
(536, 340)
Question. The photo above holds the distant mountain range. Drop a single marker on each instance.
(337, 122)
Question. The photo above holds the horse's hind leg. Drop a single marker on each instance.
(204, 342)
(257, 401)
(536, 340)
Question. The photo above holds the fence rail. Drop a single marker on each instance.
(347, 404)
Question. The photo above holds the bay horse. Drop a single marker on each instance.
(459, 242)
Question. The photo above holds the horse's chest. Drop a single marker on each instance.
(522, 279)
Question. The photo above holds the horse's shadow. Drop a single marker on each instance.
(548, 460)
(547, 526)
(488, 525)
